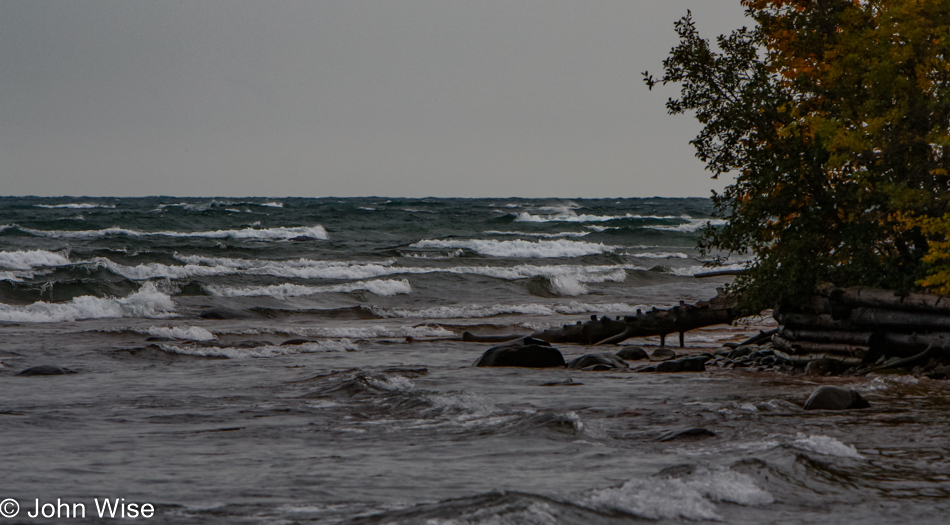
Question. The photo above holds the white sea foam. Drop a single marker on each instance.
(29, 259)
(193, 333)
(826, 445)
(519, 248)
(567, 286)
(347, 332)
(479, 311)
(660, 255)
(385, 287)
(273, 234)
(570, 216)
(147, 302)
(689, 271)
(541, 235)
(272, 204)
(692, 497)
(77, 205)
(691, 226)
(261, 351)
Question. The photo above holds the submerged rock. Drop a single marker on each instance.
(527, 353)
(604, 361)
(45, 370)
(692, 433)
(827, 397)
(685, 364)
(633, 353)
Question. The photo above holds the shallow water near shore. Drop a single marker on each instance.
(214, 421)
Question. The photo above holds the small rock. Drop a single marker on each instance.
(742, 351)
(664, 353)
(609, 361)
(827, 397)
(45, 370)
(633, 353)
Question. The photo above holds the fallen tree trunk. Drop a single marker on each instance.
(907, 321)
(826, 336)
(605, 330)
(810, 347)
(874, 297)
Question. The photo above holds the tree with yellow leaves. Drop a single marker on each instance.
(834, 116)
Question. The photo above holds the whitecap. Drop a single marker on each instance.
(479, 311)
(261, 351)
(541, 235)
(193, 333)
(29, 259)
(692, 497)
(519, 248)
(146, 302)
(278, 233)
(385, 287)
(75, 206)
(691, 226)
(826, 445)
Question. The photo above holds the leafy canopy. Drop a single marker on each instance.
(834, 117)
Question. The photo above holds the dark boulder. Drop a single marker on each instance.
(527, 353)
(687, 433)
(828, 397)
(604, 360)
(664, 353)
(684, 364)
(45, 370)
(633, 353)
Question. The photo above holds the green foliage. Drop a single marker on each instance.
(834, 116)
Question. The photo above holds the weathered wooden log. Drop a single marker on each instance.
(903, 320)
(469, 337)
(891, 341)
(761, 337)
(810, 347)
(826, 336)
(679, 319)
(807, 358)
(717, 273)
(874, 297)
(823, 321)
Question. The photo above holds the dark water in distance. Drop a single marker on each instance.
(214, 421)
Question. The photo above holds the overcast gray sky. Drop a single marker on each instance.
(445, 98)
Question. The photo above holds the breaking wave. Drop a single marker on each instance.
(147, 302)
(384, 287)
(540, 249)
(260, 351)
(193, 333)
(75, 206)
(271, 234)
(478, 311)
(29, 259)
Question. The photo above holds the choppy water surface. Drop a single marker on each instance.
(214, 421)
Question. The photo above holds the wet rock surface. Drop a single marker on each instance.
(526, 353)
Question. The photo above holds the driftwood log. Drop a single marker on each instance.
(862, 326)
(678, 320)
